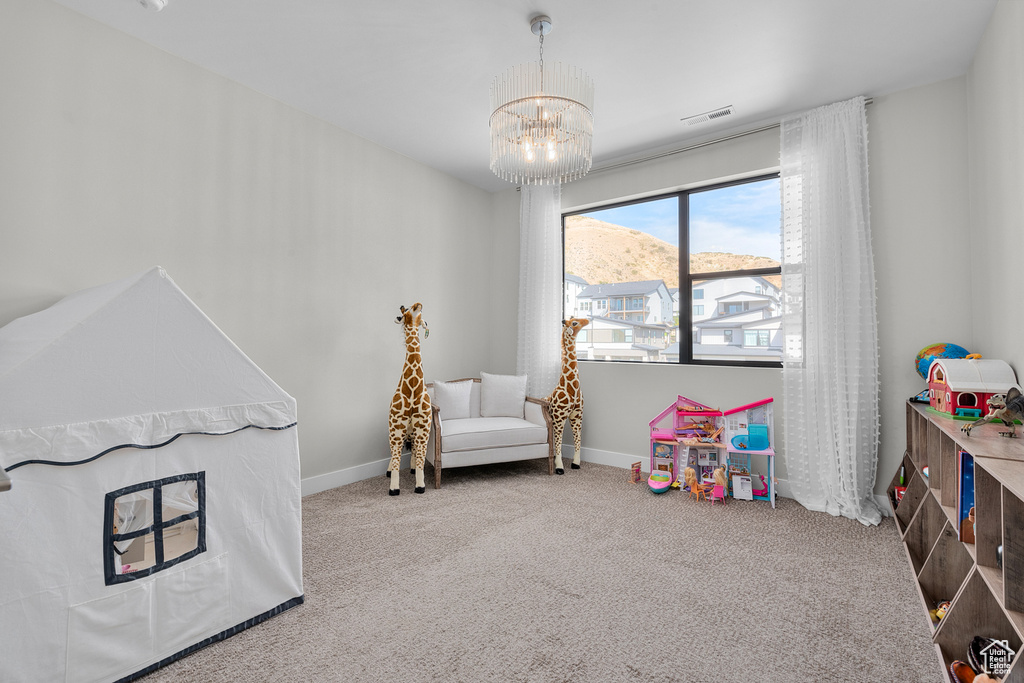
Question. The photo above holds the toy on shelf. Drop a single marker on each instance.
(1008, 409)
(961, 387)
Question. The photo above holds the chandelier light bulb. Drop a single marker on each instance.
(542, 121)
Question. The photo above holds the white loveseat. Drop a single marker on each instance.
(511, 427)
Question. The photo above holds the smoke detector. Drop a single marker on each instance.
(155, 5)
(708, 116)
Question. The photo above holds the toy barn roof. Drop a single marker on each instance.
(974, 374)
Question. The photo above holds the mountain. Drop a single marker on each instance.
(601, 252)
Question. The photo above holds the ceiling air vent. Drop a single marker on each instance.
(708, 116)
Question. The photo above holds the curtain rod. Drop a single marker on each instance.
(680, 150)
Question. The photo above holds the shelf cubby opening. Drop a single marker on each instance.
(988, 515)
(1013, 551)
(905, 511)
(923, 531)
(974, 612)
(934, 461)
(947, 473)
(944, 572)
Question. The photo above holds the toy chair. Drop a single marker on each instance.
(720, 490)
(718, 493)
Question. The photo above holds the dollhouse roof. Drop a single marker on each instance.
(750, 406)
(689, 406)
(974, 374)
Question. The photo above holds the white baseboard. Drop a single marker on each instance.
(349, 475)
(377, 468)
(625, 461)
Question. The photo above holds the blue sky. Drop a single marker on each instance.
(740, 219)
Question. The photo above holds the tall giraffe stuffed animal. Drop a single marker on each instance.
(409, 419)
(566, 401)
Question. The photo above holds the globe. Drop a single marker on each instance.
(929, 353)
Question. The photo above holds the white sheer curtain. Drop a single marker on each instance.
(539, 349)
(830, 362)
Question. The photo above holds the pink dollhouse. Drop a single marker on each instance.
(709, 438)
(750, 433)
(691, 428)
(960, 387)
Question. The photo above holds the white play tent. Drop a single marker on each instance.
(155, 496)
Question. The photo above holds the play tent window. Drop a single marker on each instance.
(154, 525)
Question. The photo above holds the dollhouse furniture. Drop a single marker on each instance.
(750, 433)
(664, 465)
(961, 387)
(479, 425)
(718, 492)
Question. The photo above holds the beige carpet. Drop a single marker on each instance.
(508, 574)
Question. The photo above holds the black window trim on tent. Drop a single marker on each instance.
(159, 524)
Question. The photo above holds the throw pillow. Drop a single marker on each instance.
(452, 399)
(502, 395)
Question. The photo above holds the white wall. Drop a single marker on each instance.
(995, 97)
(918, 184)
(115, 156)
(917, 149)
(621, 398)
(300, 240)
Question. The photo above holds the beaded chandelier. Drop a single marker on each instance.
(542, 120)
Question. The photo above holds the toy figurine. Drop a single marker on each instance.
(409, 418)
(566, 401)
(1004, 408)
(690, 478)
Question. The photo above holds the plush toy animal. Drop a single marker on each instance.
(566, 401)
(409, 419)
(1004, 408)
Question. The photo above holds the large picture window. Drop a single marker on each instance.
(689, 277)
(153, 525)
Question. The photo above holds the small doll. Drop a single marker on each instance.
(690, 477)
(720, 478)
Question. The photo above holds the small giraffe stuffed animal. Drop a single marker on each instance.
(409, 419)
(566, 401)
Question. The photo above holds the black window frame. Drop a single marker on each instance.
(156, 528)
(686, 278)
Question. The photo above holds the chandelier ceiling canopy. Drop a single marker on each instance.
(542, 120)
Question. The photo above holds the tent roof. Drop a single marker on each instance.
(135, 346)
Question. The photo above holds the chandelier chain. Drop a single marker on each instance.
(542, 61)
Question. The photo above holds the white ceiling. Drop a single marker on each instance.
(413, 76)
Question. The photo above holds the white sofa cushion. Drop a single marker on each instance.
(452, 399)
(489, 432)
(502, 395)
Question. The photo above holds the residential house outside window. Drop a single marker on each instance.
(755, 338)
(720, 242)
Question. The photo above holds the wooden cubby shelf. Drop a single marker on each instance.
(987, 596)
